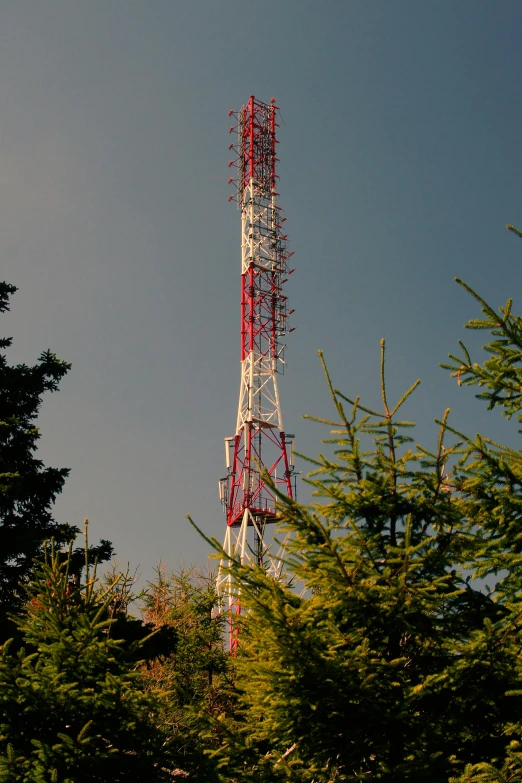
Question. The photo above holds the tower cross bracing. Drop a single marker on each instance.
(260, 447)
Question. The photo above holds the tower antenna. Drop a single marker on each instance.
(260, 447)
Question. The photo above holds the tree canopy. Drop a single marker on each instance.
(384, 656)
(28, 489)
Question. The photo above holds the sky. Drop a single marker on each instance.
(399, 168)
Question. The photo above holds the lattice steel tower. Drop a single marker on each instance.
(260, 445)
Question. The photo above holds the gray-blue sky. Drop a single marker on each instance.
(400, 166)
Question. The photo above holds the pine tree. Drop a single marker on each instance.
(27, 488)
(74, 704)
(379, 659)
(197, 673)
(490, 487)
(385, 656)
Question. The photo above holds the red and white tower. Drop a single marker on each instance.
(260, 446)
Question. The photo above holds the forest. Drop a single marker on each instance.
(391, 650)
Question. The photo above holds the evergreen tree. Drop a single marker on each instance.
(380, 659)
(27, 488)
(74, 705)
(197, 673)
(490, 488)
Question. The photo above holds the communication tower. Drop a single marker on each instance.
(260, 446)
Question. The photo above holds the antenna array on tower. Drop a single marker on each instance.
(260, 448)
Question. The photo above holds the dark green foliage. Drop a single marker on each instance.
(489, 479)
(197, 673)
(27, 488)
(358, 673)
(74, 706)
(383, 659)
